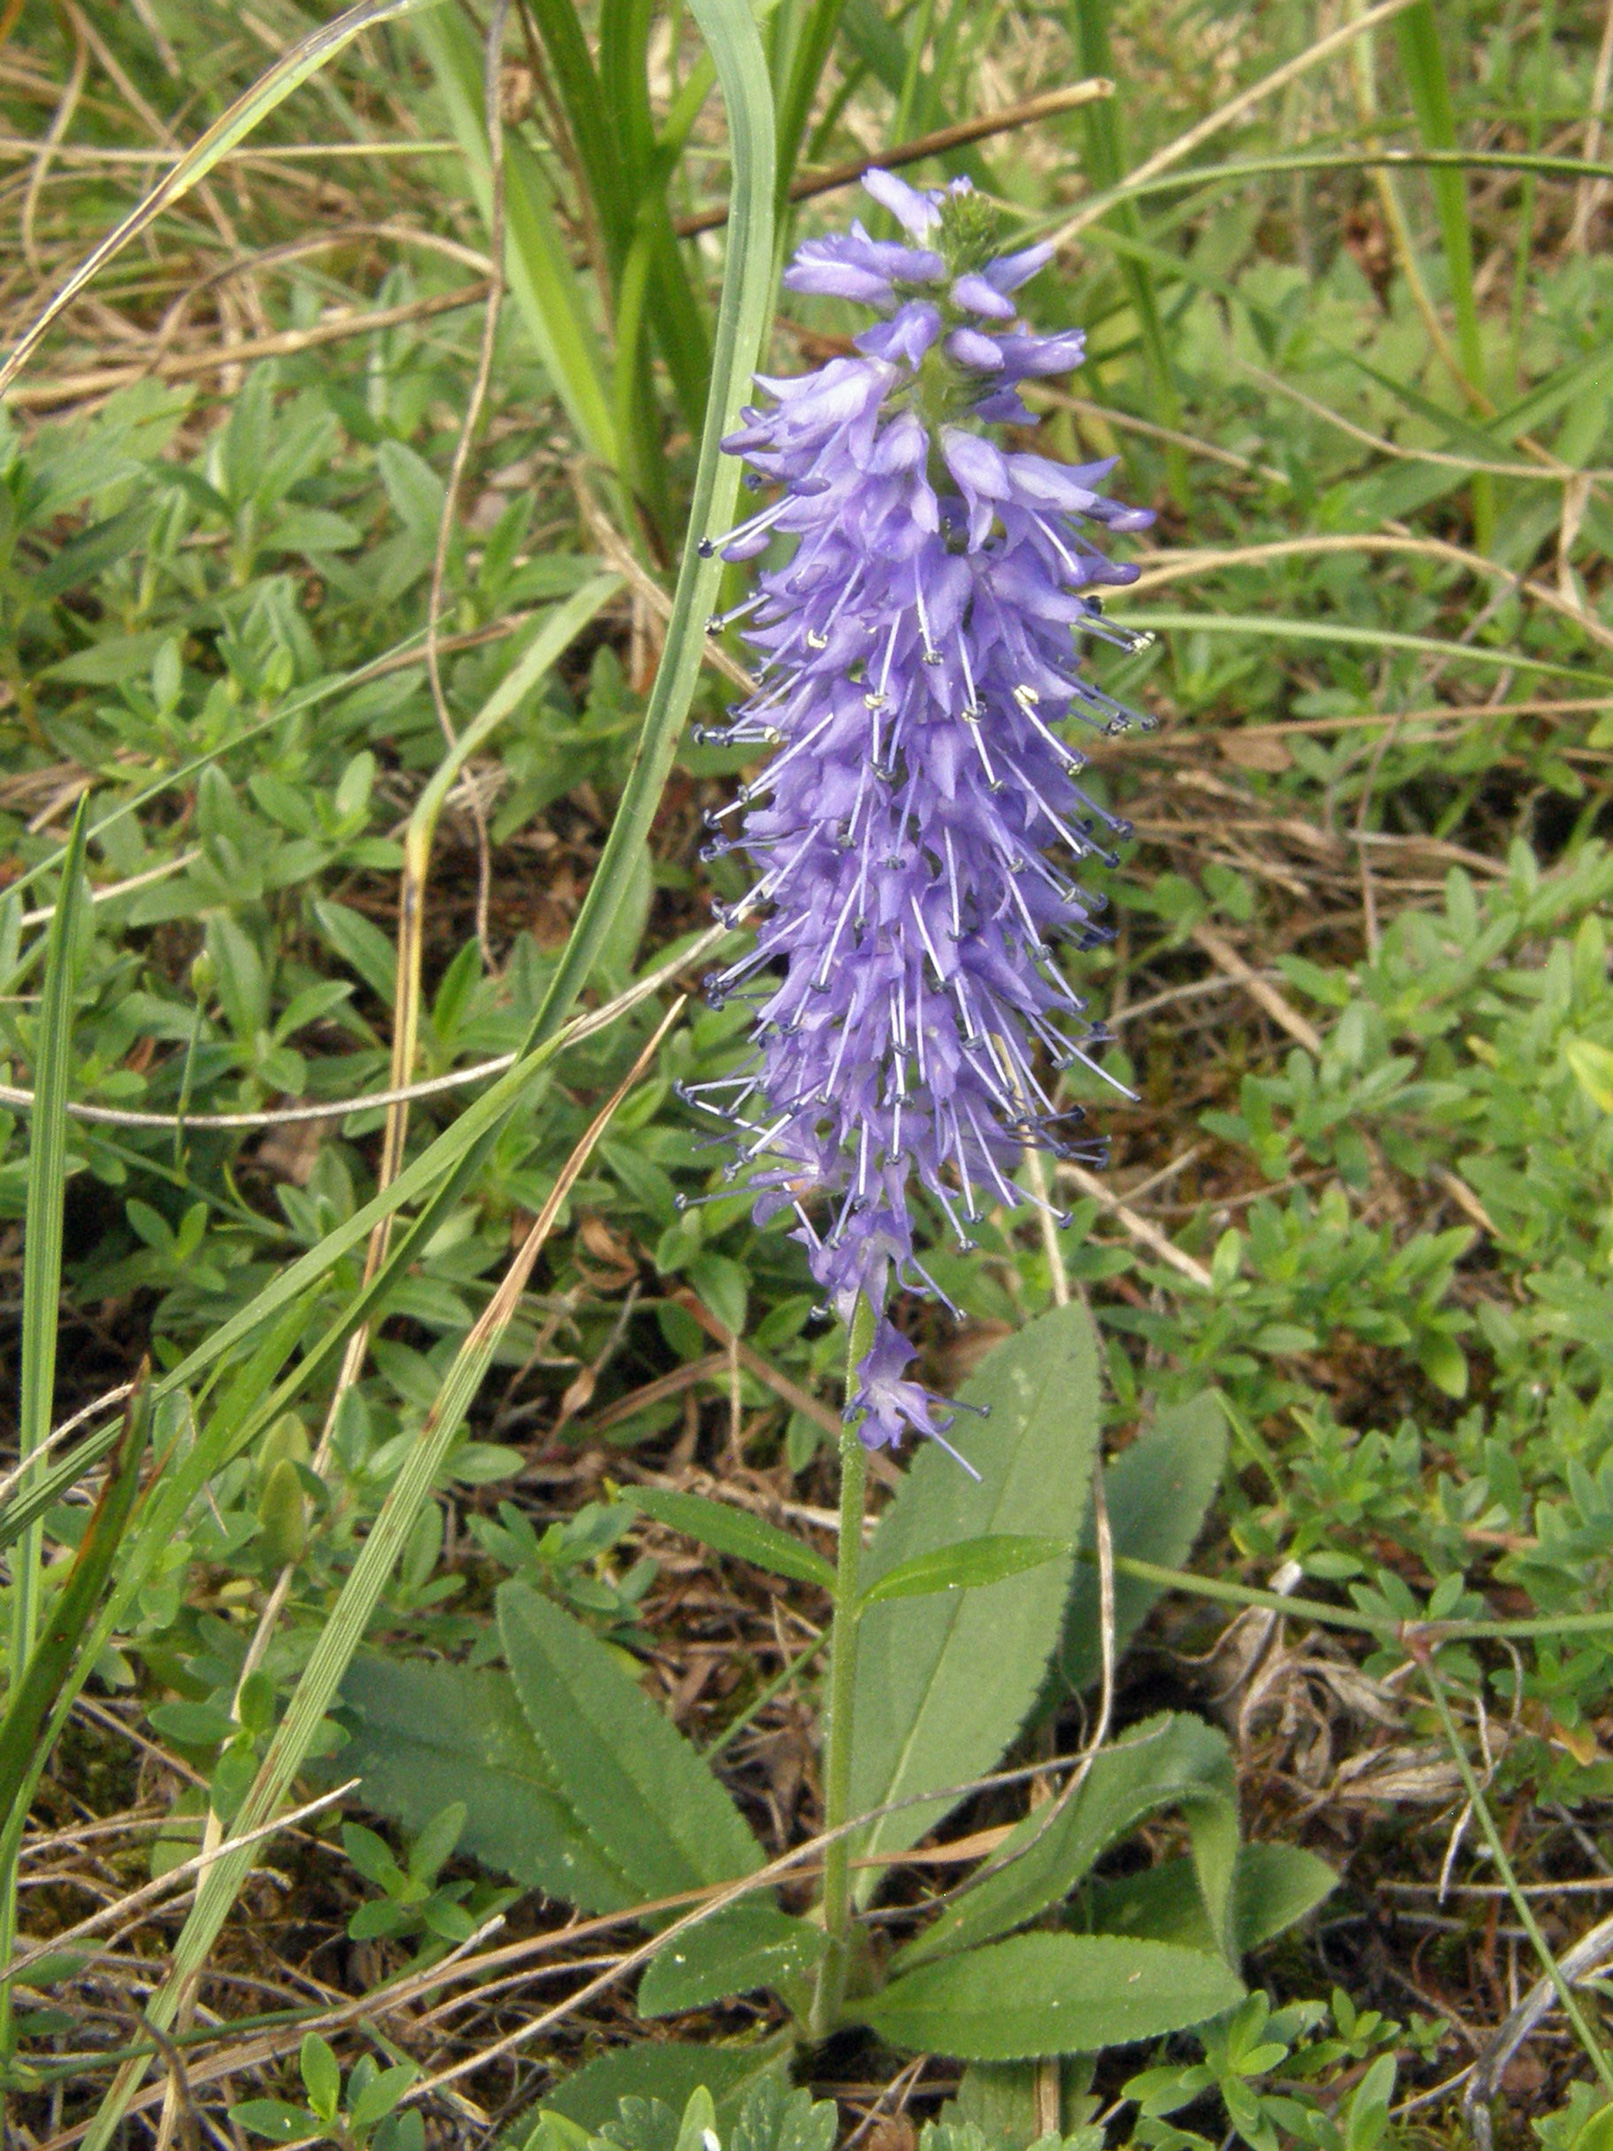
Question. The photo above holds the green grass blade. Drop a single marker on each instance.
(807, 63)
(624, 40)
(266, 95)
(542, 279)
(342, 1632)
(41, 1289)
(559, 629)
(47, 1181)
(1234, 170)
(1105, 164)
(48, 1665)
(637, 421)
(572, 66)
(678, 320)
(1423, 62)
(49, 1482)
(339, 1638)
(882, 48)
(177, 1480)
(1280, 627)
(1523, 256)
(741, 320)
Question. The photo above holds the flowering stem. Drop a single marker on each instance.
(831, 1988)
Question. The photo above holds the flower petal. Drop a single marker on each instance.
(975, 351)
(1009, 271)
(915, 212)
(976, 296)
(907, 335)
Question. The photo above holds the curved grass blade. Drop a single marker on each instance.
(542, 279)
(41, 1287)
(1281, 627)
(1542, 164)
(52, 1656)
(736, 49)
(1105, 163)
(47, 1486)
(270, 91)
(731, 34)
(343, 1630)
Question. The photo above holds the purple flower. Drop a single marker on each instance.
(914, 836)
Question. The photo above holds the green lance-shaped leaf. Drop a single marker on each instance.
(1169, 1761)
(945, 1682)
(643, 1794)
(968, 1566)
(424, 1735)
(737, 1950)
(728, 1530)
(1039, 1994)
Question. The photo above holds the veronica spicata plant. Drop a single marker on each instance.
(919, 651)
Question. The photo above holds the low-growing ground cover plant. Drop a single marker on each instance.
(451, 1689)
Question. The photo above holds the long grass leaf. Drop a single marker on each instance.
(807, 62)
(1105, 163)
(633, 398)
(1283, 628)
(677, 316)
(266, 95)
(742, 312)
(48, 1483)
(343, 1631)
(40, 1681)
(47, 1183)
(41, 1290)
(1423, 62)
(572, 66)
(880, 45)
(624, 40)
(1141, 185)
(542, 279)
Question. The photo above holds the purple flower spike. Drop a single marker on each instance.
(914, 835)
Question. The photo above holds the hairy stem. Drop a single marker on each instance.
(831, 1988)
